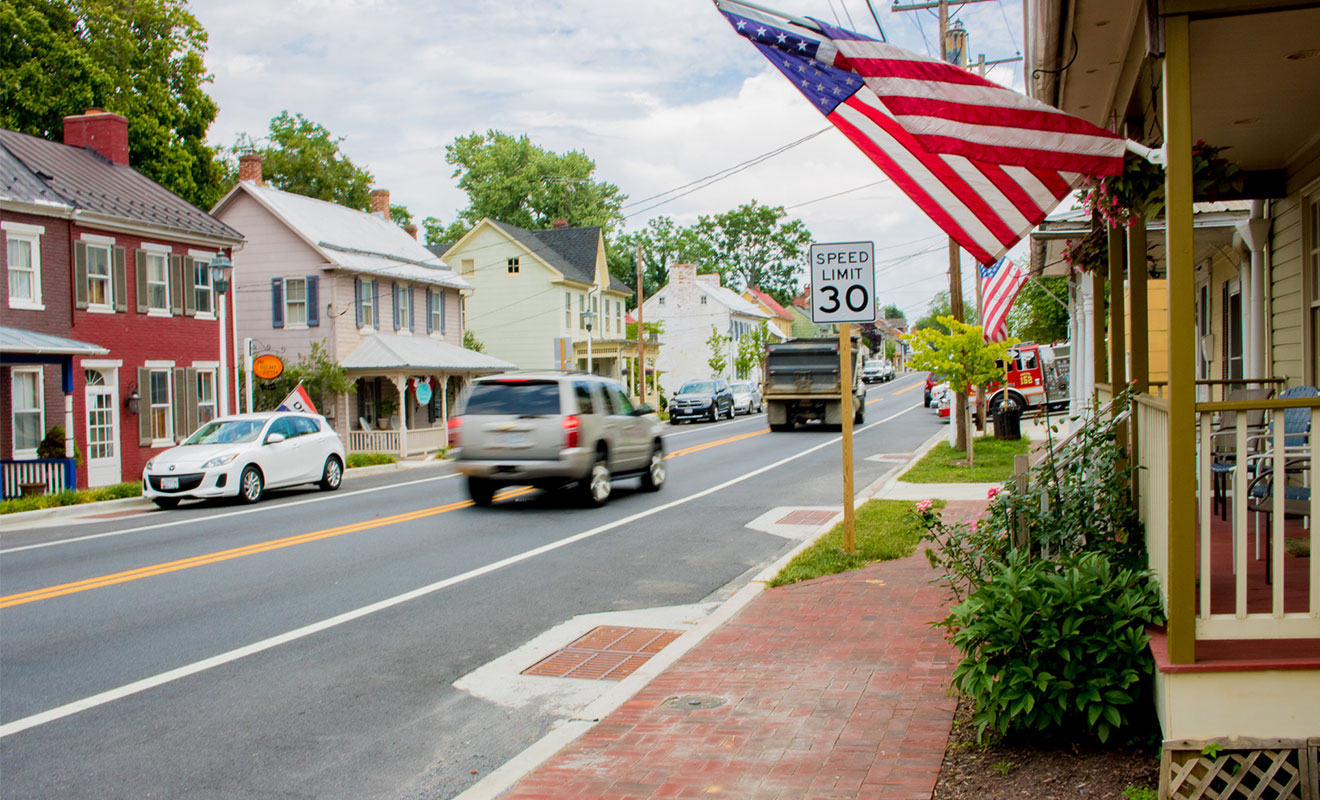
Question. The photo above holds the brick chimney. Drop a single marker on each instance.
(411, 230)
(683, 274)
(380, 202)
(709, 278)
(101, 131)
(559, 223)
(249, 167)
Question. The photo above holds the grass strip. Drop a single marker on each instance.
(882, 531)
(70, 497)
(993, 462)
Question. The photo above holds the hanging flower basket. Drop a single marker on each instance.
(1091, 252)
(1138, 193)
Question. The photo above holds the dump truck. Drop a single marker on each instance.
(802, 383)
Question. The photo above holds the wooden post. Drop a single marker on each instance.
(846, 408)
(1021, 467)
(641, 334)
(1182, 341)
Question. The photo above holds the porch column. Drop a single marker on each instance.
(444, 406)
(1077, 335)
(1117, 325)
(1089, 334)
(1255, 234)
(1181, 586)
(1098, 354)
(1138, 315)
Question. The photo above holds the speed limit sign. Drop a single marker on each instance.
(842, 282)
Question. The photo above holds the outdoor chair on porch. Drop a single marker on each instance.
(1223, 455)
(1296, 500)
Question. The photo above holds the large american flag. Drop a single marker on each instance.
(1000, 283)
(985, 163)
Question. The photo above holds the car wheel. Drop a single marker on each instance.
(714, 412)
(673, 421)
(656, 470)
(596, 487)
(927, 399)
(860, 416)
(481, 491)
(332, 475)
(250, 485)
(166, 502)
(784, 426)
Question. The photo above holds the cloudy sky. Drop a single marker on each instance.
(659, 93)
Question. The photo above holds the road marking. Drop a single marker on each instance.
(129, 689)
(315, 497)
(97, 582)
(907, 389)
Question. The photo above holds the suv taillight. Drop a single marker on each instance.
(454, 424)
(572, 427)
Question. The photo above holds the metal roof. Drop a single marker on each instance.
(393, 352)
(92, 183)
(17, 340)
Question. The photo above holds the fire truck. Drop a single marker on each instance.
(1036, 377)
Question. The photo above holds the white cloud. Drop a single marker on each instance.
(659, 94)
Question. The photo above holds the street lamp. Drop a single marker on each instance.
(220, 267)
(589, 316)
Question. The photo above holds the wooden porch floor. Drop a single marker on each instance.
(1296, 580)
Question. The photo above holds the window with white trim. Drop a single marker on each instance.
(158, 281)
(1311, 260)
(206, 404)
(405, 308)
(295, 302)
(100, 286)
(434, 312)
(366, 302)
(512, 265)
(203, 292)
(568, 310)
(159, 406)
(29, 411)
(23, 245)
(607, 319)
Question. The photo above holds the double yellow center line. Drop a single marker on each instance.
(276, 544)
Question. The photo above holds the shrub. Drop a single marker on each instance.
(1056, 644)
(70, 497)
(369, 459)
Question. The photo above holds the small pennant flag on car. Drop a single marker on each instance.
(297, 401)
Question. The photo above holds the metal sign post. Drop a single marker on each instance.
(843, 292)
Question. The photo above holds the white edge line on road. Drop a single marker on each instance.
(252, 510)
(169, 676)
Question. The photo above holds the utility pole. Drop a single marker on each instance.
(641, 335)
(959, 57)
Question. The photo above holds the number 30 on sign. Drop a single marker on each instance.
(842, 282)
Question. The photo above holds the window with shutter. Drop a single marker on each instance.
(313, 301)
(277, 302)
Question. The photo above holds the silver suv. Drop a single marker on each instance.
(554, 430)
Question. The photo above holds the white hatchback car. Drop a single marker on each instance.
(245, 454)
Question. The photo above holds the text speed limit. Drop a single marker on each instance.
(842, 282)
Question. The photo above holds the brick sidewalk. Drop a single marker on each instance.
(833, 688)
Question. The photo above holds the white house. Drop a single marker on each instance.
(689, 306)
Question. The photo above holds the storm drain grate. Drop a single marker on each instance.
(802, 517)
(607, 653)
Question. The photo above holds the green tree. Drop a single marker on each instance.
(963, 357)
(435, 232)
(941, 306)
(471, 342)
(319, 374)
(141, 59)
(304, 158)
(751, 350)
(663, 244)
(719, 351)
(754, 245)
(1037, 314)
(892, 311)
(513, 180)
(400, 215)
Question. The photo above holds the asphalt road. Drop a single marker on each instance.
(308, 646)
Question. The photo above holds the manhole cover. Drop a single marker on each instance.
(694, 702)
(604, 653)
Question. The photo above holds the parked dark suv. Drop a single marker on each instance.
(709, 399)
(554, 430)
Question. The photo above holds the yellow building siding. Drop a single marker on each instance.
(1287, 311)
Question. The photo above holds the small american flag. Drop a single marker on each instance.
(1001, 282)
(985, 163)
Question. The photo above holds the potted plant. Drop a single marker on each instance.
(386, 407)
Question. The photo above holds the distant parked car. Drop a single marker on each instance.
(888, 370)
(746, 397)
(708, 399)
(873, 371)
(245, 454)
(931, 380)
(554, 430)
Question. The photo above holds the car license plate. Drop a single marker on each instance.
(513, 440)
(169, 483)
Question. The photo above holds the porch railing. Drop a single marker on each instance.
(1266, 476)
(51, 474)
(1152, 446)
(402, 443)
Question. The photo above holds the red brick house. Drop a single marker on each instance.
(109, 319)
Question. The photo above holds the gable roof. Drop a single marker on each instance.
(350, 239)
(391, 351)
(93, 185)
(734, 302)
(769, 302)
(572, 251)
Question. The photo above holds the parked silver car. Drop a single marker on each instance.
(746, 397)
(554, 430)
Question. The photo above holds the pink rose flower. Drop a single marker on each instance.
(990, 495)
(924, 505)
